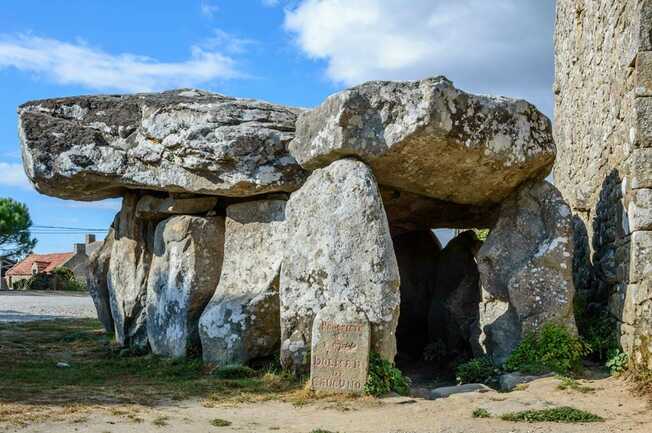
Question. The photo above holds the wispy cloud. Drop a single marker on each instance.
(270, 3)
(500, 46)
(13, 175)
(227, 42)
(208, 8)
(80, 64)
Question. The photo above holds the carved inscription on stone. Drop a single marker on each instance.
(340, 350)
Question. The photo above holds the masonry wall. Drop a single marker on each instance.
(603, 132)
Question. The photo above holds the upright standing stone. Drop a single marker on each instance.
(98, 269)
(185, 270)
(525, 269)
(339, 249)
(131, 257)
(241, 322)
(340, 350)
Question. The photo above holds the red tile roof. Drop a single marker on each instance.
(44, 262)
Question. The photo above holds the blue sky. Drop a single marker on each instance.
(291, 52)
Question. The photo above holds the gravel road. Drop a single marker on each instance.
(27, 306)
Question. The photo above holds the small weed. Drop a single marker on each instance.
(559, 414)
(384, 378)
(480, 370)
(481, 413)
(160, 421)
(321, 430)
(572, 384)
(617, 361)
(217, 422)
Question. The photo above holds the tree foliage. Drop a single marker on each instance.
(15, 222)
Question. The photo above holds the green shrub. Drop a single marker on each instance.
(383, 378)
(481, 413)
(617, 361)
(558, 414)
(552, 348)
(477, 370)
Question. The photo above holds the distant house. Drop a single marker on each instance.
(5, 265)
(76, 261)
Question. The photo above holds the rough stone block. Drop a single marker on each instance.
(639, 210)
(340, 350)
(160, 208)
(241, 322)
(640, 168)
(640, 264)
(185, 270)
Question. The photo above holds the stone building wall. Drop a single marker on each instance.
(603, 132)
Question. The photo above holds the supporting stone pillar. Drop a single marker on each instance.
(98, 269)
(241, 322)
(525, 269)
(186, 266)
(339, 249)
(131, 256)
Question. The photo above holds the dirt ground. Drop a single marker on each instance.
(610, 399)
(103, 390)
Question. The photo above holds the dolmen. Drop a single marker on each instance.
(243, 222)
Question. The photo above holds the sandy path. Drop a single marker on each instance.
(27, 306)
(623, 413)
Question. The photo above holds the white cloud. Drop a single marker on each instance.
(270, 3)
(13, 175)
(498, 46)
(80, 64)
(208, 9)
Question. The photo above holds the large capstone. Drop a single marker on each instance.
(98, 269)
(131, 256)
(525, 269)
(185, 270)
(339, 250)
(241, 322)
(94, 147)
(429, 138)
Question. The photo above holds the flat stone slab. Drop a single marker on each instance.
(192, 141)
(340, 350)
(429, 138)
(447, 391)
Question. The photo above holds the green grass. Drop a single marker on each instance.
(481, 413)
(568, 383)
(98, 371)
(217, 422)
(559, 414)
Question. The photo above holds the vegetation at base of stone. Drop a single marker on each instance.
(477, 370)
(15, 222)
(481, 413)
(384, 378)
(217, 422)
(160, 421)
(568, 383)
(597, 328)
(551, 348)
(234, 372)
(100, 371)
(321, 430)
(482, 234)
(617, 361)
(563, 414)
